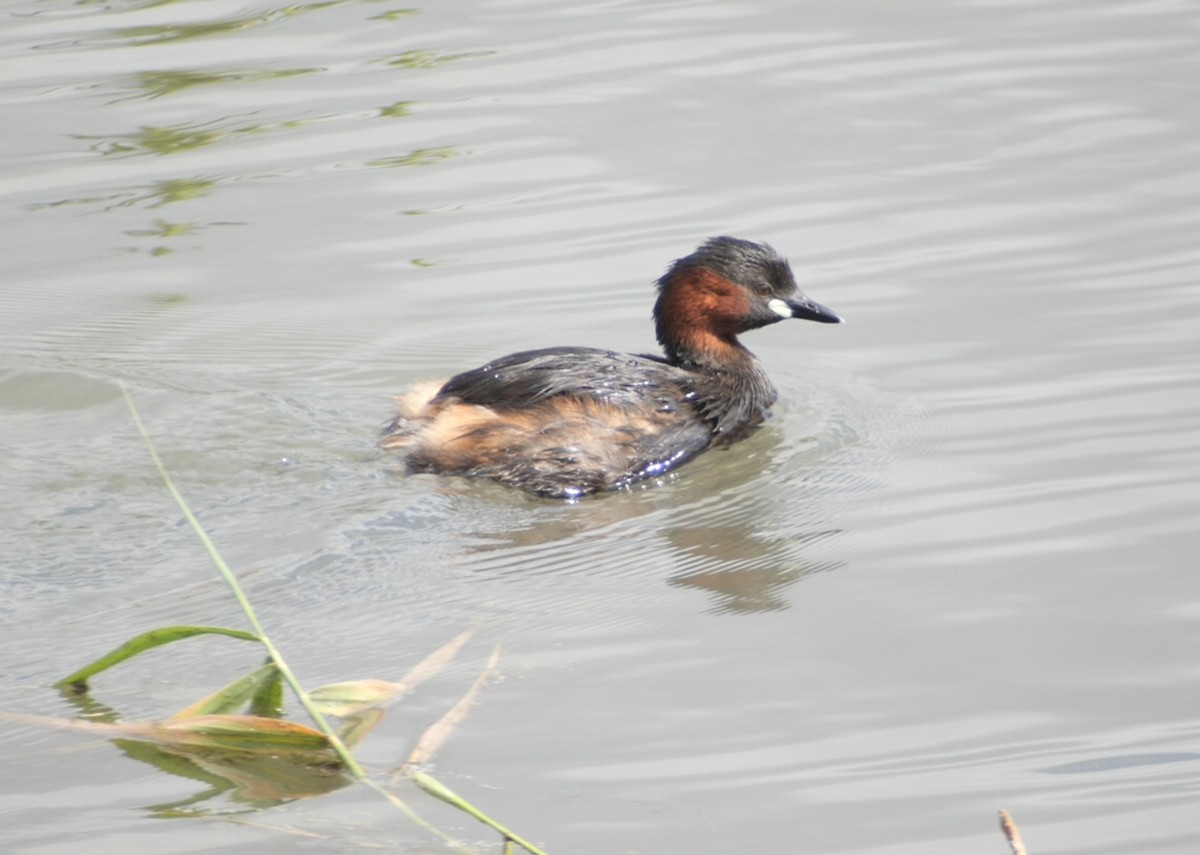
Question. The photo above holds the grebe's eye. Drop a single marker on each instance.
(763, 289)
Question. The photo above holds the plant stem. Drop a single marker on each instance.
(343, 753)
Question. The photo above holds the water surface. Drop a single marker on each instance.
(953, 574)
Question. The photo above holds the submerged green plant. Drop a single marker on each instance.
(236, 735)
(157, 34)
(236, 738)
(169, 82)
(416, 157)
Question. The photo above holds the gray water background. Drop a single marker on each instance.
(956, 572)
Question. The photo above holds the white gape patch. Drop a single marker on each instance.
(780, 308)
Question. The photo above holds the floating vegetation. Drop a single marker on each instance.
(394, 14)
(236, 740)
(158, 140)
(157, 84)
(163, 33)
(431, 58)
(397, 110)
(416, 157)
(161, 192)
(163, 229)
(177, 190)
(172, 139)
(125, 7)
(228, 732)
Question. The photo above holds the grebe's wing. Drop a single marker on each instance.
(526, 378)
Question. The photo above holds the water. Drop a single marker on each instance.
(953, 574)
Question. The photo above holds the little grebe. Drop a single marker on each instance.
(566, 421)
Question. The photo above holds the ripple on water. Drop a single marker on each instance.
(912, 604)
(742, 524)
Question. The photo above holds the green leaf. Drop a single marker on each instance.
(232, 732)
(142, 643)
(356, 727)
(240, 732)
(229, 699)
(439, 790)
(268, 700)
(343, 699)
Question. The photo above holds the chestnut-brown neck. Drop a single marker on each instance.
(697, 318)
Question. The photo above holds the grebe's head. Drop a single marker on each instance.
(726, 287)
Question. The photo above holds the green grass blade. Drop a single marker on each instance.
(142, 643)
(439, 790)
(348, 761)
(352, 765)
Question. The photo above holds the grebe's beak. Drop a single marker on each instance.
(804, 308)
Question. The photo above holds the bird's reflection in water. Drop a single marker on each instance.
(744, 575)
(717, 527)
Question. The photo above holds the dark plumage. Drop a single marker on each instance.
(566, 421)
